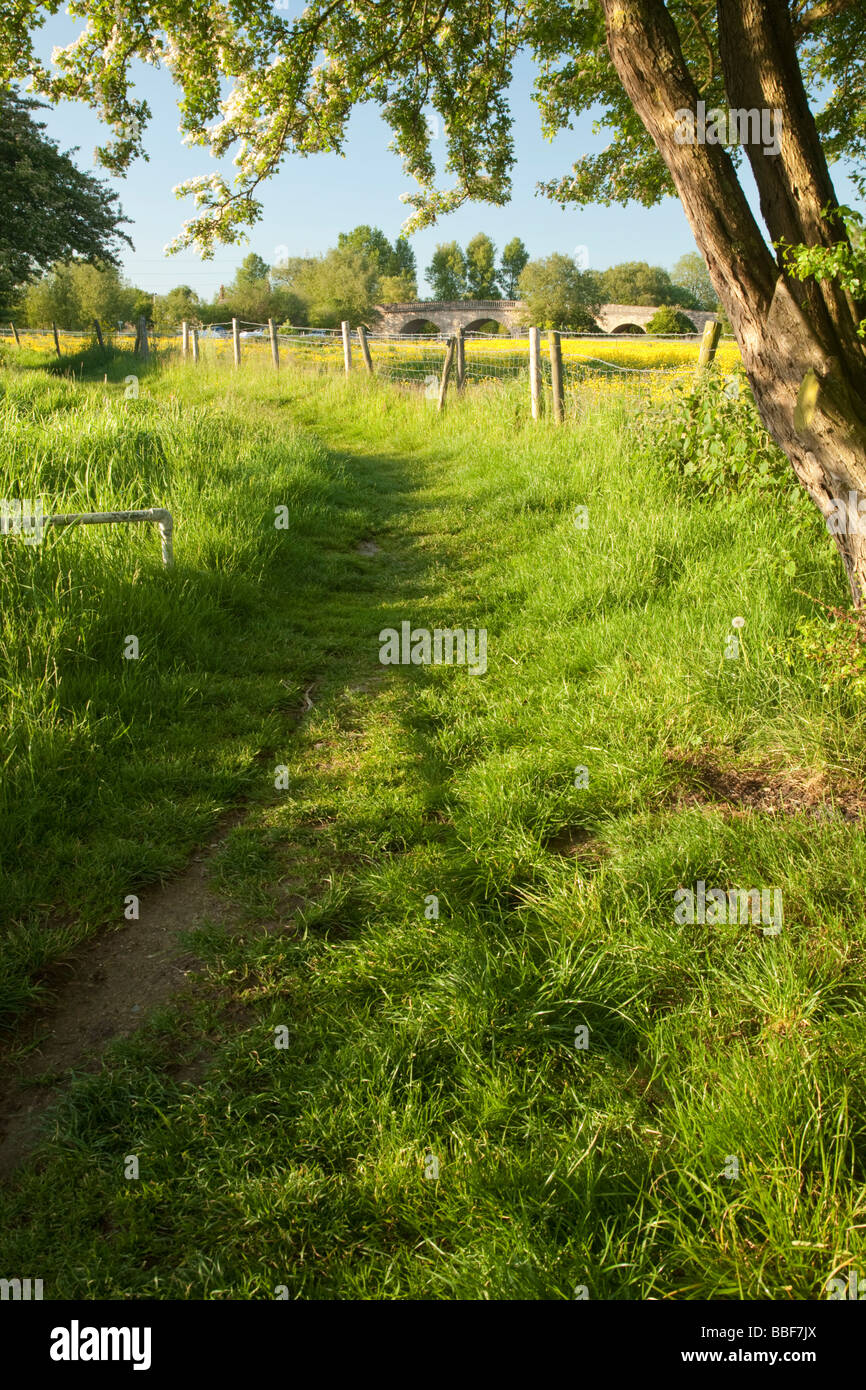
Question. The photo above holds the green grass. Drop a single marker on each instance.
(410, 1035)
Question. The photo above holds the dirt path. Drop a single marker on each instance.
(104, 991)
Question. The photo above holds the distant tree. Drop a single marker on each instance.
(74, 293)
(289, 270)
(293, 307)
(594, 282)
(683, 297)
(51, 210)
(252, 269)
(142, 306)
(667, 319)
(636, 282)
(397, 289)
(342, 284)
(171, 309)
(403, 265)
(691, 274)
(102, 294)
(52, 299)
(392, 263)
(212, 311)
(515, 258)
(446, 273)
(481, 278)
(372, 243)
(288, 307)
(250, 296)
(557, 294)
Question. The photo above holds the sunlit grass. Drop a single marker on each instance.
(413, 1035)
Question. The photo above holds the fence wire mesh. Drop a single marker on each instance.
(594, 368)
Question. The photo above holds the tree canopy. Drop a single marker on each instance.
(667, 319)
(74, 293)
(363, 270)
(292, 83)
(635, 282)
(472, 273)
(692, 275)
(180, 303)
(392, 263)
(558, 294)
(446, 273)
(515, 258)
(482, 279)
(341, 284)
(51, 210)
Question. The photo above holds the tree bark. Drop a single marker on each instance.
(759, 62)
(799, 346)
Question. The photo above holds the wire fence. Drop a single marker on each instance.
(593, 368)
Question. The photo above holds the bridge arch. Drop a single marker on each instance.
(482, 325)
(627, 328)
(419, 325)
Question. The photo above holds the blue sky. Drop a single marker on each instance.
(311, 200)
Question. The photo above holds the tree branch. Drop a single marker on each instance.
(825, 9)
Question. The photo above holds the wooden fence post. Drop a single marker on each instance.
(236, 341)
(709, 342)
(365, 347)
(461, 360)
(275, 347)
(195, 345)
(184, 339)
(56, 339)
(347, 346)
(15, 335)
(555, 345)
(446, 371)
(141, 343)
(98, 331)
(535, 392)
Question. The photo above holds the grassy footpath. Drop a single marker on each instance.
(411, 1038)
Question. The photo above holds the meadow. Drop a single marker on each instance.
(447, 1037)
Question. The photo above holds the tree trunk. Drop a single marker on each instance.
(800, 350)
(759, 61)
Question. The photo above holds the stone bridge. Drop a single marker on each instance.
(470, 314)
(631, 318)
(448, 315)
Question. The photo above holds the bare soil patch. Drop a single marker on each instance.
(104, 991)
(770, 791)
